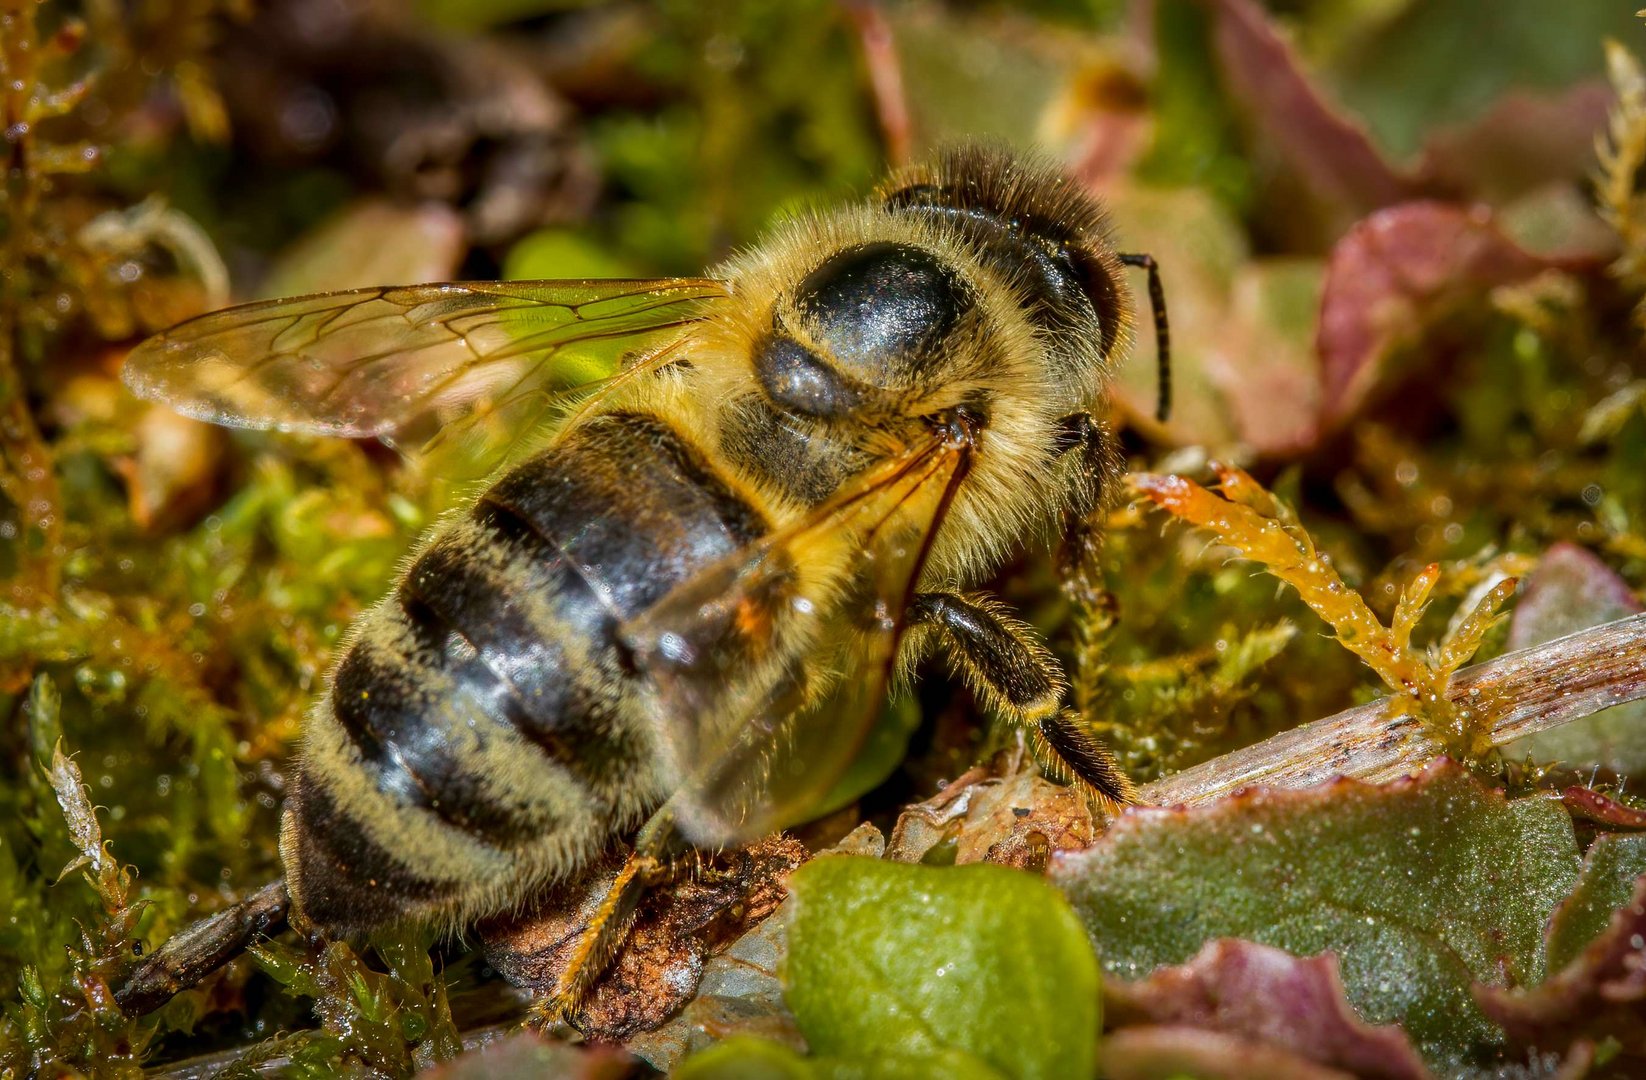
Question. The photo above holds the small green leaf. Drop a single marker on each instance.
(287, 967)
(78, 812)
(746, 1058)
(44, 707)
(30, 989)
(884, 749)
(561, 253)
(1607, 881)
(888, 959)
(1421, 887)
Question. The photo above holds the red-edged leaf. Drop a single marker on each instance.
(1612, 866)
(1600, 995)
(1595, 807)
(1421, 887)
(1266, 995)
(1169, 1053)
(1330, 158)
(1393, 277)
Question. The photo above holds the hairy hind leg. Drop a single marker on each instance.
(1015, 676)
(653, 861)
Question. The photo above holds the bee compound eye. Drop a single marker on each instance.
(799, 381)
(878, 310)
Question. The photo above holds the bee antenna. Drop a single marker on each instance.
(1162, 333)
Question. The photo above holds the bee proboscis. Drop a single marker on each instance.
(737, 507)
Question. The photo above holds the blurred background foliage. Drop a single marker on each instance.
(1385, 237)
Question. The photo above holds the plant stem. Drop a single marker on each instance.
(1519, 694)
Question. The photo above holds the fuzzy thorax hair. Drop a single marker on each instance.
(1032, 351)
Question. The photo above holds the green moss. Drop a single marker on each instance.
(170, 596)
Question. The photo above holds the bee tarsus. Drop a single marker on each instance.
(656, 858)
(1015, 676)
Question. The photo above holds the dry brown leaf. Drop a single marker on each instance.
(677, 928)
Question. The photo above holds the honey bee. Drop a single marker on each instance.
(749, 501)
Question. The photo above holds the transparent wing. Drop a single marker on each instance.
(770, 668)
(469, 365)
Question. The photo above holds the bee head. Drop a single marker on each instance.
(1041, 231)
(875, 321)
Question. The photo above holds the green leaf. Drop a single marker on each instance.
(1444, 62)
(1196, 138)
(887, 959)
(746, 1058)
(561, 253)
(1421, 887)
(883, 751)
(1610, 870)
(44, 710)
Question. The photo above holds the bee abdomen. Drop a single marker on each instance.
(486, 707)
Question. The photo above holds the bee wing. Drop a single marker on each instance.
(770, 668)
(461, 365)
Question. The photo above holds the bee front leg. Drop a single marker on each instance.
(652, 861)
(1015, 676)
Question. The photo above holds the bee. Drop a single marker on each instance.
(732, 511)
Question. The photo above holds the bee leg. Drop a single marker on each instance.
(1015, 676)
(1088, 451)
(652, 860)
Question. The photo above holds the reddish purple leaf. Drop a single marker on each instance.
(1320, 170)
(1394, 276)
(1600, 995)
(1263, 364)
(1266, 995)
(1527, 139)
(1595, 807)
(1165, 1053)
(1330, 157)
(1570, 590)
(527, 1054)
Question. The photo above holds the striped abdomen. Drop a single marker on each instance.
(482, 734)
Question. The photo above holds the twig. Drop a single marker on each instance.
(1522, 693)
(190, 955)
(1519, 694)
(891, 106)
